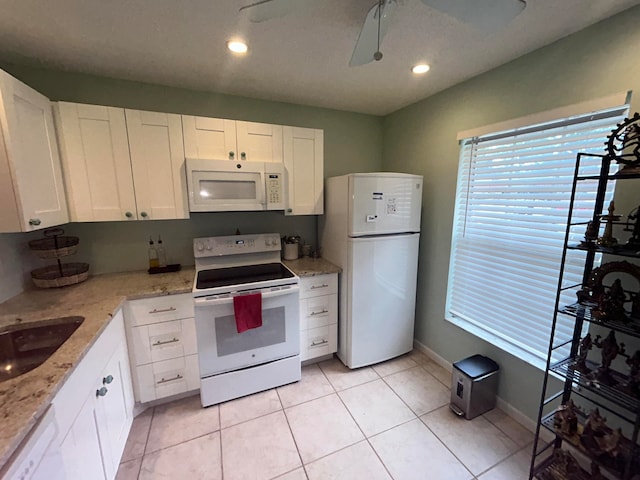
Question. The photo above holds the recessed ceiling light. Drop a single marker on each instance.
(420, 68)
(237, 47)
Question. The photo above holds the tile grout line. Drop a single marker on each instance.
(504, 460)
(221, 452)
(146, 441)
(447, 447)
(293, 437)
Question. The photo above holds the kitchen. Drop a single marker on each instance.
(355, 142)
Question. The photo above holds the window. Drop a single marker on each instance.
(512, 202)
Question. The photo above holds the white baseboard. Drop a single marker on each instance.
(433, 355)
(506, 407)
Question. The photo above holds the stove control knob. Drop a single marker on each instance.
(199, 246)
(208, 247)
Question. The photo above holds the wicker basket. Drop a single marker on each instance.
(54, 245)
(61, 275)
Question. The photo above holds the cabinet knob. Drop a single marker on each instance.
(289, 210)
(101, 392)
(143, 214)
(128, 214)
(232, 155)
(108, 379)
(243, 156)
(35, 222)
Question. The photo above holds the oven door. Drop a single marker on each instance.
(221, 348)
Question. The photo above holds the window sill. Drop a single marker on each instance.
(499, 342)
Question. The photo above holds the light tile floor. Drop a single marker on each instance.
(389, 421)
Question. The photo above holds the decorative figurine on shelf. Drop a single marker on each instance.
(591, 234)
(565, 419)
(595, 472)
(623, 145)
(634, 242)
(635, 306)
(632, 387)
(611, 307)
(566, 464)
(581, 361)
(609, 350)
(607, 239)
(607, 304)
(599, 439)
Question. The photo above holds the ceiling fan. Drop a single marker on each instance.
(485, 15)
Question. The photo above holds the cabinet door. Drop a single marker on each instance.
(80, 448)
(304, 162)
(32, 192)
(210, 138)
(95, 159)
(114, 407)
(157, 162)
(259, 142)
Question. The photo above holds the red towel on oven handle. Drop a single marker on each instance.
(248, 311)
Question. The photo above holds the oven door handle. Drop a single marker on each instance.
(206, 301)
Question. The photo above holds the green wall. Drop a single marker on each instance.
(352, 142)
(421, 138)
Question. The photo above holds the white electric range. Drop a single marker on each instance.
(235, 364)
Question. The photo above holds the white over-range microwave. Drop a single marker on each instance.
(227, 185)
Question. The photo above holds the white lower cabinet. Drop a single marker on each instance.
(94, 408)
(318, 315)
(163, 348)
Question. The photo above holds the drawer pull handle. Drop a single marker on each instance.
(318, 313)
(163, 310)
(101, 392)
(324, 285)
(159, 342)
(166, 380)
(315, 344)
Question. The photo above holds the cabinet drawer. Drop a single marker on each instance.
(163, 341)
(318, 311)
(159, 309)
(318, 285)
(317, 342)
(166, 378)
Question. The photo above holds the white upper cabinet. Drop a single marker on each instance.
(95, 156)
(304, 162)
(157, 162)
(121, 164)
(31, 187)
(219, 139)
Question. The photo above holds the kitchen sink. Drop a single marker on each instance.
(24, 347)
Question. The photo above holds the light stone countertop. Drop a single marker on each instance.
(24, 399)
(309, 266)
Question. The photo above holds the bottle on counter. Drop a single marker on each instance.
(153, 255)
(162, 256)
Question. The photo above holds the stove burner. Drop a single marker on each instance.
(222, 277)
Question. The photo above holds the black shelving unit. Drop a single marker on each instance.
(581, 385)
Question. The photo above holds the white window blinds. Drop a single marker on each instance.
(510, 219)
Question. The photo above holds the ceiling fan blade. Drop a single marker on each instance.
(485, 15)
(367, 44)
(264, 10)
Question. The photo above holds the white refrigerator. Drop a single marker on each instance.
(371, 230)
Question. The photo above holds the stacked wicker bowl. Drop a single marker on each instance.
(56, 245)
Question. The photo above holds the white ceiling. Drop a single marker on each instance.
(300, 58)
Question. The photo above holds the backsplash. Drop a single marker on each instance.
(122, 246)
(10, 267)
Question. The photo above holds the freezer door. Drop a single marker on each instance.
(381, 296)
(383, 203)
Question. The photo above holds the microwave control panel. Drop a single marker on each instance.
(275, 195)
